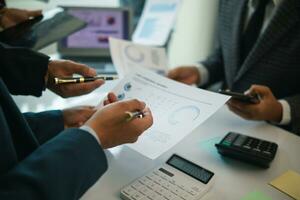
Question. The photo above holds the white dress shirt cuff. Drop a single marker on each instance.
(91, 131)
(286, 113)
(204, 74)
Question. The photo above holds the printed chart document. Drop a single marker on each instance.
(156, 23)
(127, 55)
(177, 109)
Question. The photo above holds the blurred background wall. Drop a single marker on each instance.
(192, 40)
(194, 35)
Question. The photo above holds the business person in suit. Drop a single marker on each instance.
(39, 158)
(259, 44)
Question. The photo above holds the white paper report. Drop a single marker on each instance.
(126, 55)
(177, 109)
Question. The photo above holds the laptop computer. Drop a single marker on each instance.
(90, 45)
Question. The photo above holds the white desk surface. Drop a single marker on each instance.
(234, 179)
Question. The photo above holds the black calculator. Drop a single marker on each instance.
(247, 149)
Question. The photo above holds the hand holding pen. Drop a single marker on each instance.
(112, 98)
(120, 122)
(64, 68)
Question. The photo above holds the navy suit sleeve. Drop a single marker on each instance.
(215, 66)
(63, 168)
(45, 125)
(294, 103)
(23, 70)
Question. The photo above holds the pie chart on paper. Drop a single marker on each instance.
(184, 115)
(134, 54)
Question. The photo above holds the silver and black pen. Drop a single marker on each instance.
(129, 115)
(67, 80)
(133, 115)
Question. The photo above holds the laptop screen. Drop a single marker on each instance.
(102, 23)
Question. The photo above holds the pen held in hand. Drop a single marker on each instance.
(133, 115)
(67, 80)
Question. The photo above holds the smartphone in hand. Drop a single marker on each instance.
(241, 97)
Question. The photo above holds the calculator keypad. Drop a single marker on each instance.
(250, 144)
(248, 149)
(158, 186)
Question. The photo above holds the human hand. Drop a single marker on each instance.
(111, 126)
(111, 98)
(76, 116)
(188, 75)
(11, 17)
(64, 68)
(268, 108)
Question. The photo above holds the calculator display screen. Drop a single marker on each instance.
(190, 169)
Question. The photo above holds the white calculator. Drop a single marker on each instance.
(177, 179)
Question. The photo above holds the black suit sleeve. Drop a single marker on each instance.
(63, 168)
(45, 125)
(294, 103)
(215, 66)
(23, 70)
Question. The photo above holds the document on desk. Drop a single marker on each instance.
(156, 23)
(177, 109)
(126, 55)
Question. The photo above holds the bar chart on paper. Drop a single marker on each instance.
(157, 22)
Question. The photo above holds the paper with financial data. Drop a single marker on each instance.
(127, 55)
(177, 109)
(156, 23)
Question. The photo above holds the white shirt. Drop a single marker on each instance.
(92, 132)
(270, 12)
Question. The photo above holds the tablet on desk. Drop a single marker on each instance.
(41, 31)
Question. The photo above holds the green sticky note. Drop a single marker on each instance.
(256, 195)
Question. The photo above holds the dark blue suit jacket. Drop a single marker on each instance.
(274, 60)
(38, 159)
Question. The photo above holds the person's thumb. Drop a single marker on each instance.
(258, 89)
